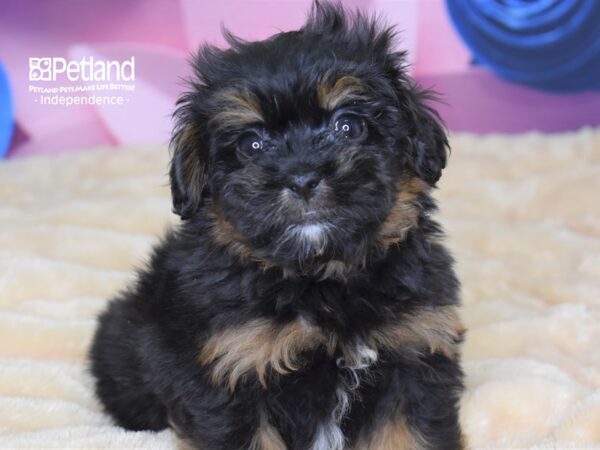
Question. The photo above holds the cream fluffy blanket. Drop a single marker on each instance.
(523, 219)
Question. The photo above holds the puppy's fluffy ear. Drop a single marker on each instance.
(188, 157)
(427, 136)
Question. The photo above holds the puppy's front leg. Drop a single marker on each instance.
(217, 419)
(418, 409)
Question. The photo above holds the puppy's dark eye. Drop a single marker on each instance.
(250, 143)
(350, 126)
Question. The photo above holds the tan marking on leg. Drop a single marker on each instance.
(259, 345)
(181, 442)
(266, 437)
(345, 89)
(404, 213)
(394, 435)
(436, 329)
(464, 442)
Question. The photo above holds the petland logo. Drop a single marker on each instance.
(86, 69)
(55, 81)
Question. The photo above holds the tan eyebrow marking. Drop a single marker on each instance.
(345, 89)
(238, 107)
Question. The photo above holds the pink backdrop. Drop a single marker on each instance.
(161, 34)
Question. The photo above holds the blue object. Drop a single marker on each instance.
(552, 45)
(7, 121)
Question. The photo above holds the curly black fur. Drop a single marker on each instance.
(340, 292)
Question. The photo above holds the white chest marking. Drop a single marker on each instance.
(329, 435)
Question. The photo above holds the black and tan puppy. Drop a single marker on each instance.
(305, 301)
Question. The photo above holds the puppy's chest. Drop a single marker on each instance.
(298, 362)
(329, 387)
(266, 350)
(269, 352)
(294, 364)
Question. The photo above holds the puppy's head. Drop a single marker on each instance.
(307, 150)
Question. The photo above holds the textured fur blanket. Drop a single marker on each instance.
(523, 219)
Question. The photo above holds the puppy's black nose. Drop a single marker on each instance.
(304, 185)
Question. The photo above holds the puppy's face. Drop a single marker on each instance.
(309, 149)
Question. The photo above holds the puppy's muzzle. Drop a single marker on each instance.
(304, 186)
